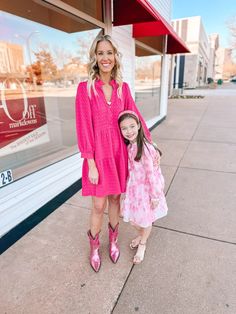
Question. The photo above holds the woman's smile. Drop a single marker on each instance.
(105, 57)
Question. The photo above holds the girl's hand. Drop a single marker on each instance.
(122, 197)
(93, 175)
(154, 203)
(157, 161)
(157, 158)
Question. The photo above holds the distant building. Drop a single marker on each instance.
(214, 45)
(190, 70)
(11, 58)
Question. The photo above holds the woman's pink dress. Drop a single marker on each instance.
(145, 182)
(99, 137)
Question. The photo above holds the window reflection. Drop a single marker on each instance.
(40, 68)
(147, 85)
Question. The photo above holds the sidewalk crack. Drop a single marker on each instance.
(194, 235)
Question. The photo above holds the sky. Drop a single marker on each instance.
(214, 13)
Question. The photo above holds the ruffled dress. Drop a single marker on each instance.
(99, 137)
(145, 182)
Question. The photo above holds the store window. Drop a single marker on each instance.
(43, 57)
(147, 83)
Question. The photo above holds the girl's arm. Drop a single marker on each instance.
(130, 105)
(154, 182)
(84, 125)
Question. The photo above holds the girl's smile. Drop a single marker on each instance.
(129, 129)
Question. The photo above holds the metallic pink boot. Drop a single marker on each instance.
(95, 259)
(114, 250)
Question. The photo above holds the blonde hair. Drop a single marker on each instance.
(93, 70)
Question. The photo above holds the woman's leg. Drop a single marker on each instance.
(113, 213)
(96, 216)
(113, 209)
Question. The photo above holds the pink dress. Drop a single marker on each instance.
(145, 182)
(99, 137)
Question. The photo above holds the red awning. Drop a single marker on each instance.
(147, 22)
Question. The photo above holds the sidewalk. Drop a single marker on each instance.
(190, 263)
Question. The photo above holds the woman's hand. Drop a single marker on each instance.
(93, 174)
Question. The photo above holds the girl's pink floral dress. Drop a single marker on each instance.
(145, 182)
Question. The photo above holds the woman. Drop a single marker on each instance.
(98, 104)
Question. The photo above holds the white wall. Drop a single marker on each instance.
(214, 44)
(123, 37)
(220, 58)
(22, 198)
(193, 33)
(163, 7)
(190, 70)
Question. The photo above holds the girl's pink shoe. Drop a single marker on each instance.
(95, 259)
(114, 250)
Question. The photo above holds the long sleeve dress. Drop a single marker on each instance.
(99, 137)
(145, 182)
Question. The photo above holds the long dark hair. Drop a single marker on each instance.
(141, 138)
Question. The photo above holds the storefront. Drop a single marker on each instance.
(43, 54)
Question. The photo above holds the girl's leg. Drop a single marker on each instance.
(139, 256)
(145, 233)
(135, 242)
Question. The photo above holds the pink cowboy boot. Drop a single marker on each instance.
(95, 259)
(114, 251)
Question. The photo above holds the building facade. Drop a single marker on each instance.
(214, 45)
(191, 70)
(43, 53)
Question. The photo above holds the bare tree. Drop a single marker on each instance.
(232, 28)
(62, 56)
(229, 70)
(150, 71)
(44, 69)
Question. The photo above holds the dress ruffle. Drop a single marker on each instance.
(145, 182)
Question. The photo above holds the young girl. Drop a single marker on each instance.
(144, 200)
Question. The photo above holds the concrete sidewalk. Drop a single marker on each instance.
(190, 262)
